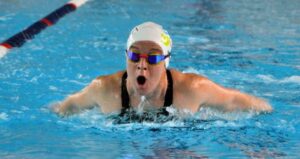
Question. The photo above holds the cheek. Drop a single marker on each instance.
(156, 72)
(130, 71)
(130, 66)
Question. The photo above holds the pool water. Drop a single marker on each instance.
(253, 46)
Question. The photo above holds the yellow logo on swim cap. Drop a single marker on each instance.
(165, 39)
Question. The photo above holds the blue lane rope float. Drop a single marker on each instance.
(20, 38)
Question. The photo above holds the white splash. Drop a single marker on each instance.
(53, 88)
(267, 78)
(3, 116)
(6, 17)
(141, 106)
(210, 113)
(198, 40)
(24, 108)
(271, 79)
(191, 70)
(292, 79)
(77, 82)
(16, 111)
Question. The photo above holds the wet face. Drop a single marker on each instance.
(144, 77)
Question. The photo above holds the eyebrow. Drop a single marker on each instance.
(156, 50)
(134, 47)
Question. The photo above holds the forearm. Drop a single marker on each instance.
(74, 104)
(248, 102)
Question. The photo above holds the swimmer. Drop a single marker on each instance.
(147, 77)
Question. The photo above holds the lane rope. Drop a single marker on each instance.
(27, 34)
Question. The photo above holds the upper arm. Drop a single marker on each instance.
(212, 94)
(215, 95)
(86, 98)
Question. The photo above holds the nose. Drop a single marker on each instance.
(142, 64)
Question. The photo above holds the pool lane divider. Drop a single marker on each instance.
(27, 34)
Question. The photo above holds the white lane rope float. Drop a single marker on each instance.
(27, 34)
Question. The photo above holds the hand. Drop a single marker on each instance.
(63, 110)
(261, 105)
(57, 108)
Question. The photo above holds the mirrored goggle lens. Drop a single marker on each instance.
(154, 59)
(151, 59)
(133, 56)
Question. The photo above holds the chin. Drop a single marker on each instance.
(143, 89)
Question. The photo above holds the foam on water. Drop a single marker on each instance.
(206, 118)
(3, 116)
(270, 79)
(6, 17)
(141, 106)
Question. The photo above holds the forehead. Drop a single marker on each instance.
(146, 45)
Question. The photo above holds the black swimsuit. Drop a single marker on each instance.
(126, 103)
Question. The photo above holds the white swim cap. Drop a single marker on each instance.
(150, 31)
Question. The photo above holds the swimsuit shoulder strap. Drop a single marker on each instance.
(124, 94)
(169, 93)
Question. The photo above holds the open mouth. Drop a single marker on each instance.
(141, 80)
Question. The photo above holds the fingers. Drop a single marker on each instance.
(261, 105)
(265, 106)
(60, 110)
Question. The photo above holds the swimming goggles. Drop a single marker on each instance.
(150, 58)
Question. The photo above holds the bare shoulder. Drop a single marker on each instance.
(193, 87)
(188, 90)
(188, 81)
(108, 82)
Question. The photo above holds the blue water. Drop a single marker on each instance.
(253, 46)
